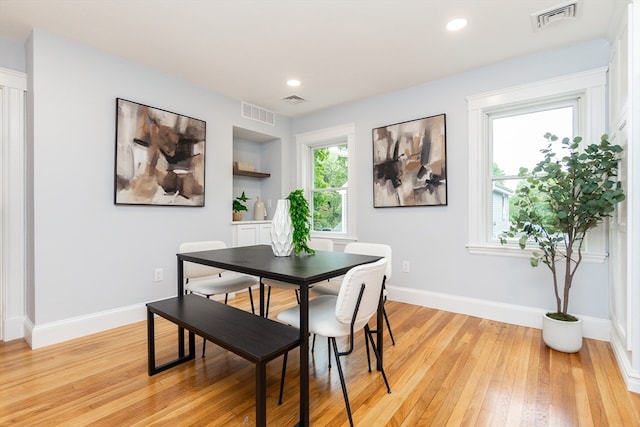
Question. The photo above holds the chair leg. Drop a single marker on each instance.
(284, 370)
(375, 351)
(342, 383)
(266, 312)
(366, 344)
(329, 352)
(313, 343)
(253, 309)
(204, 341)
(386, 319)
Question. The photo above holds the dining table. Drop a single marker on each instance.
(303, 270)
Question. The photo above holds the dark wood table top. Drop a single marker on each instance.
(259, 260)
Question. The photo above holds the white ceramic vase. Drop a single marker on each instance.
(562, 336)
(282, 230)
(259, 212)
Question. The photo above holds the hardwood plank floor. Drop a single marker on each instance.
(446, 370)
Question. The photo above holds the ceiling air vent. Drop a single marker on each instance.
(253, 112)
(293, 99)
(562, 12)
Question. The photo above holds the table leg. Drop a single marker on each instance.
(180, 294)
(180, 277)
(304, 356)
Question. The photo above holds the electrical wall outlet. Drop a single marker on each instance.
(158, 275)
(405, 266)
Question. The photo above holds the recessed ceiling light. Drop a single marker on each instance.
(293, 83)
(456, 24)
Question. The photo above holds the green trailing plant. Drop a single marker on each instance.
(301, 221)
(239, 203)
(560, 201)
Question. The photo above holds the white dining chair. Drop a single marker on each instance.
(316, 244)
(209, 281)
(332, 286)
(343, 315)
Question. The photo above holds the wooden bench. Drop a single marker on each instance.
(252, 337)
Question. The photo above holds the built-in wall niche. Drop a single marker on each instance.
(263, 153)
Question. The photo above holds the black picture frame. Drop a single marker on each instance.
(410, 163)
(159, 158)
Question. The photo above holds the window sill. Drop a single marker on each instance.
(516, 252)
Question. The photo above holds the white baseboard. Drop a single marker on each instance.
(56, 332)
(631, 376)
(592, 327)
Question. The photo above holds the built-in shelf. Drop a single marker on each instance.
(251, 173)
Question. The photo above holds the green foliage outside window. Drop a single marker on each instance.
(330, 175)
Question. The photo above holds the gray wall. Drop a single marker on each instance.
(88, 254)
(12, 55)
(433, 239)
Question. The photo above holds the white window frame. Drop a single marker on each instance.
(572, 101)
(305, 143)
(590, 87)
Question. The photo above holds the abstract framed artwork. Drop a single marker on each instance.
(410, 163)
(159, 157)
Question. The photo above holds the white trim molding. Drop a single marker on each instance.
(304, 143)
(38, 336)
(589, 86)
(593, 327)
(13, 86)
(630, 375)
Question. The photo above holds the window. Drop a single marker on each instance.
(506, 131)
(329, 187)
(325, 161)
(515, 139)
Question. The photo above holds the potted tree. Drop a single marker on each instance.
(562, 199)
(239, 205)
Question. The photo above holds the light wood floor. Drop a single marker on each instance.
(446, 370)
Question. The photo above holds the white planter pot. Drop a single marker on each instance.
(562, 336)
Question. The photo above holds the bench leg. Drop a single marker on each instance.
(151, 346)
(261, 394)
(151, 343)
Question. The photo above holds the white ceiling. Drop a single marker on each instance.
(341, 50)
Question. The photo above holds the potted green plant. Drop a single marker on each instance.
(301, 221)
(562, 199)
(239, 205)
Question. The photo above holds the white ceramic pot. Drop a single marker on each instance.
(562, 336)
(282, 229)
(259, 212)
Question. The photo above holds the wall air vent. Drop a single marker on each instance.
(562, 12)
(293, 99)
(253, 112)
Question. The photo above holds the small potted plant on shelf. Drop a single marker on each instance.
(562, 199)
(239, 205)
